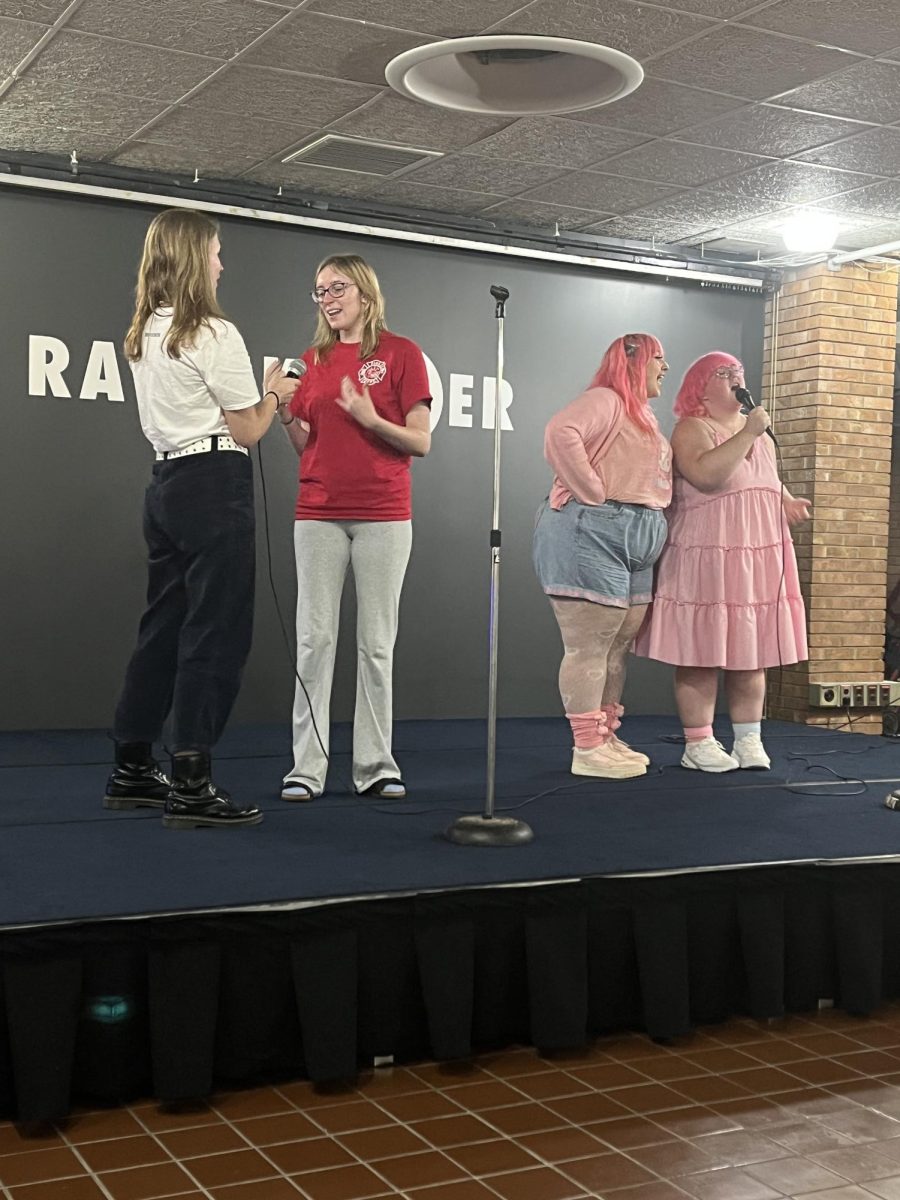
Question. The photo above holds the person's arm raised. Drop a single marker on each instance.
(704, 464)
(247, 425)
(412, 438)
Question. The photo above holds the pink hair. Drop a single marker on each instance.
(623, 368)
(689, 401)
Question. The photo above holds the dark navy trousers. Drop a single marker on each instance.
(194, 637)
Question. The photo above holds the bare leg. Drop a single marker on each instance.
(695, 695)
(746, 692)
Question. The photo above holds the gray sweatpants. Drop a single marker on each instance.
(378, 552)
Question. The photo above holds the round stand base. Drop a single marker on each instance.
(489, 831)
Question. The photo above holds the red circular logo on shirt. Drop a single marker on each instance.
(372, 372)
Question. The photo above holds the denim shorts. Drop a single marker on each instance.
(604, 553)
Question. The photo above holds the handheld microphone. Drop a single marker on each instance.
(294, 368)
(748, 403)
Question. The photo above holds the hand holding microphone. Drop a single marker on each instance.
(281, 381)
(758, 421)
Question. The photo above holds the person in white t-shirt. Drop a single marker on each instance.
(201, 410)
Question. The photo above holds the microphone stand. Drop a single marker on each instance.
(486, 829)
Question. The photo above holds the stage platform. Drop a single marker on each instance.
(136, 959)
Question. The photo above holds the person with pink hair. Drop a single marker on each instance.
(597, 537)
(727, 591)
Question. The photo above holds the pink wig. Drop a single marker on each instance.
(689, 401)
(624, 370)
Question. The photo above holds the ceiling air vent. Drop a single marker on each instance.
(357, 154)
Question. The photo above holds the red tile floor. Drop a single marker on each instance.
(806, 1108)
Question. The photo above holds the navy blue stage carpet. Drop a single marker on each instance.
(64, 858)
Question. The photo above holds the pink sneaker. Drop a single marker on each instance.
(606, 763)
(623, 749)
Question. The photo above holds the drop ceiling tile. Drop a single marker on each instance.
(602, 193)
(432, 199)
(783, 183)
(153, 156)
(705, 209)
(45, 12)
(655, 229)
(80, 62)
(635, 28)
(723, 10)
(854, 203)
(879, 200)
(660, 108)
(557, 141)
(262, 92)
(766, 129)
(59, 122)
(680, 163)
(876, 151)
(478, 173)
(547, 217)
(445, 18)
(17, 38)
(871, 235)
(213, 136)
(321, 45)
(390, 118)
(867, 91)
(865, 25)
(746, 63)
(319, 181)
(767, 229)
(218, 28)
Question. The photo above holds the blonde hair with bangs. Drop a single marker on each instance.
(174, 272)
(358, 271)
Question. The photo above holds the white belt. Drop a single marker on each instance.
(218, 441)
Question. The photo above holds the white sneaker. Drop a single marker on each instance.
(750, 753)
(708, 755)
(604, 763)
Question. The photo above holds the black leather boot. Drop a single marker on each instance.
(196, 801)
(137, 781)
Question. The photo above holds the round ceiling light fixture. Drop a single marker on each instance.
(514, 74)
(810, 232)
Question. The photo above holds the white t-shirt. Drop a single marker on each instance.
(181, 399)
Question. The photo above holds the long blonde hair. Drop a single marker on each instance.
(174, 272)
(358, 271)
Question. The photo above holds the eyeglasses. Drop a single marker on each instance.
(335, 289)
(728, 372)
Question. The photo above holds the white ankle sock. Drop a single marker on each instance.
(742, 728)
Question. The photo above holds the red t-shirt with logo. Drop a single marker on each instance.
(348, 473)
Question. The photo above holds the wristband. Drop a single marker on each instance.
(277, 398)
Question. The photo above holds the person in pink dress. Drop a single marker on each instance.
(597, 537)
(727, 593)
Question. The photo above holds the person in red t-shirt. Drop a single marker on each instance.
(358, 415)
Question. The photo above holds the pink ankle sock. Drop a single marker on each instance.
(697, 733)
(588, 729)
(613, 713)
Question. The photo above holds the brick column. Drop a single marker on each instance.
(830, 396)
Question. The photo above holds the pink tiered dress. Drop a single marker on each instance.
(727, 591)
